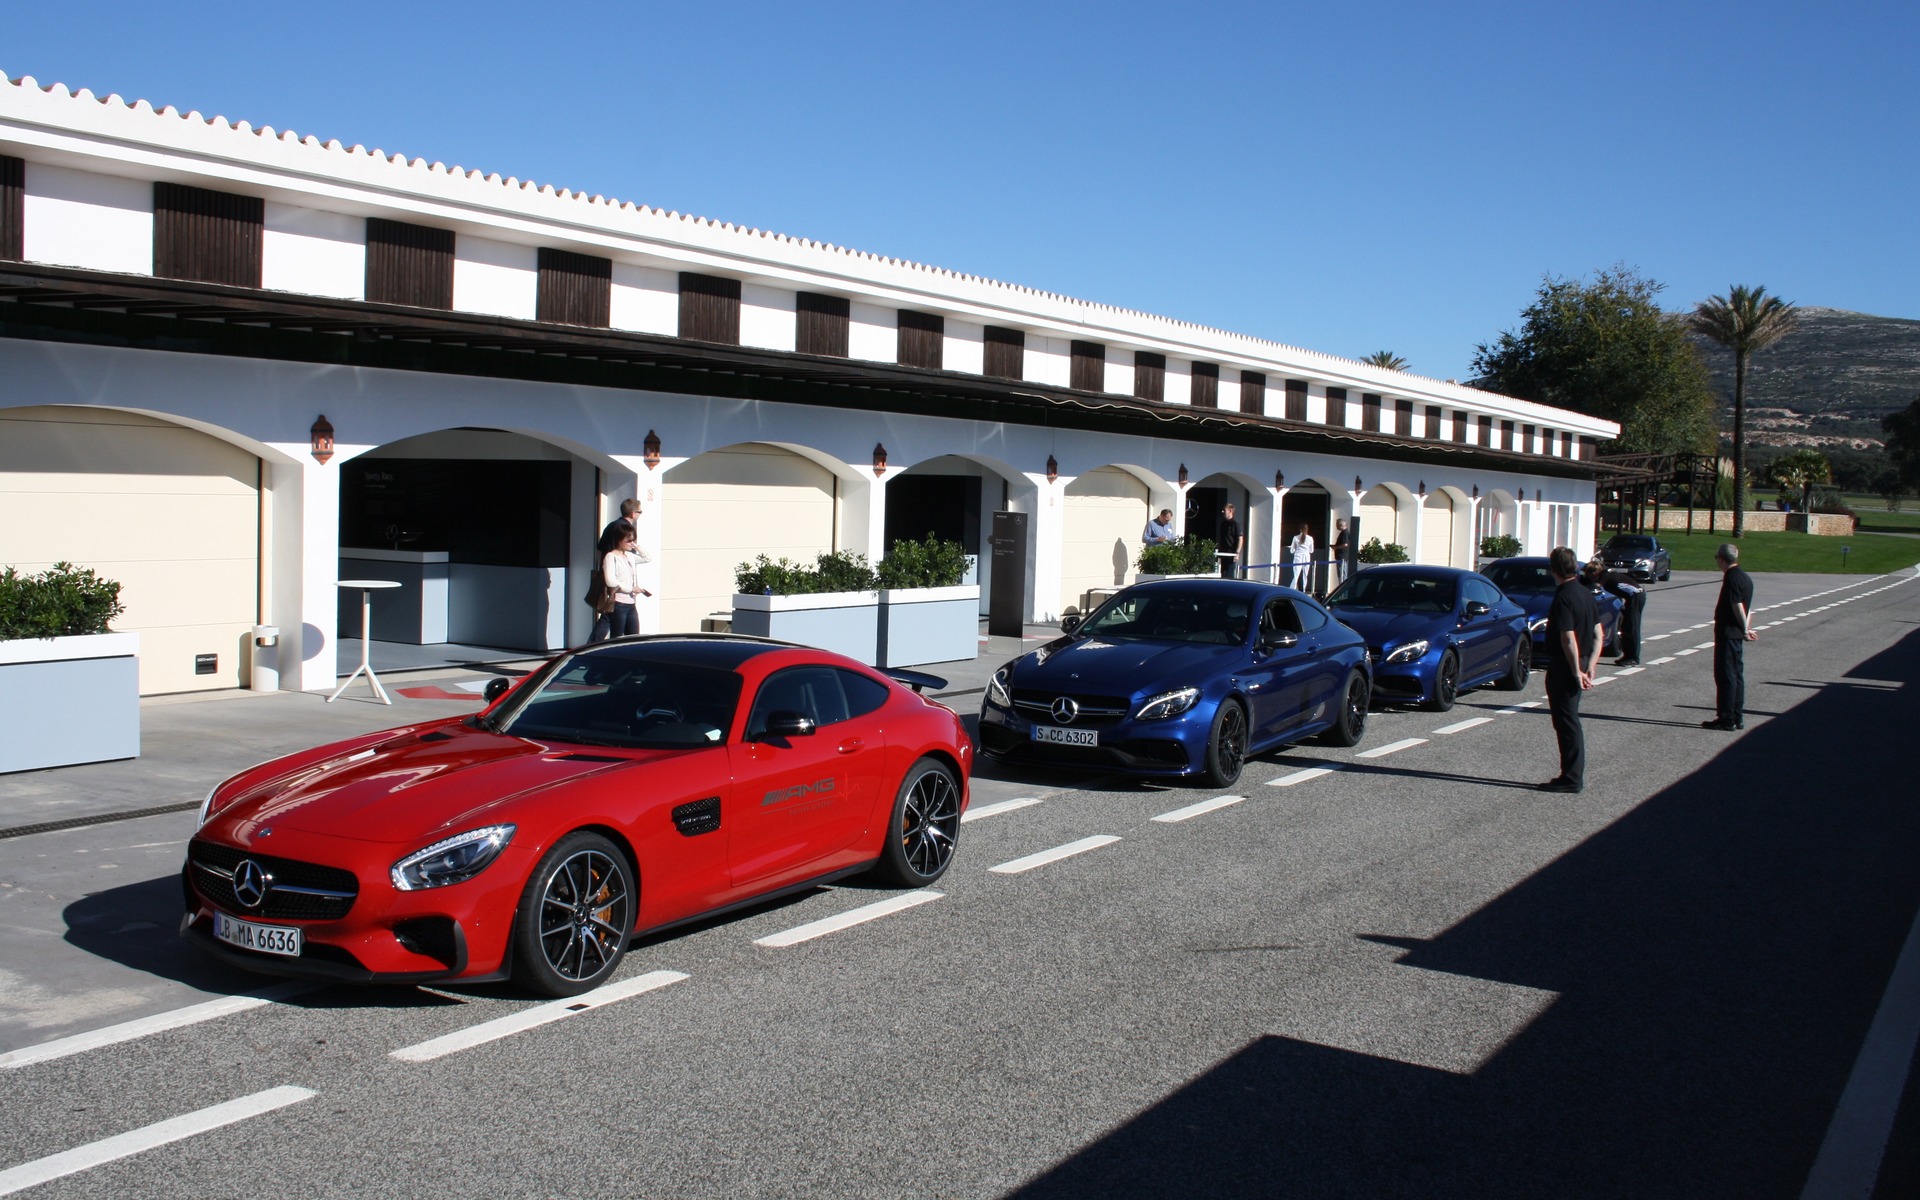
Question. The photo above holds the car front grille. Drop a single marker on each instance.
(1095, 711)
(298, 891)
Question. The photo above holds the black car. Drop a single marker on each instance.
(1639, 554)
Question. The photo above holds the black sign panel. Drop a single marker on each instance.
(1007, 599)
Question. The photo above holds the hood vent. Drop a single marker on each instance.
(436, 736)
(588, 758)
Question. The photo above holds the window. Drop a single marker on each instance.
(709, 309)
(13, 189)
(214, 237)
(1337, 407)
(1461, 423)
(1481, 590)
(825, 695)
(1433, 422)
(1370, 412)
(1089, 370)
(822, 323)
(864, 695)
(1506, 435)
(1149, 375)
(575, 289)
(1296, 399)
(1206, 385)
(1006, 353)
(409, 264)
(1526, 438)
(1403, 417)
(1486, 431)
(1253, 392)
(922, 339)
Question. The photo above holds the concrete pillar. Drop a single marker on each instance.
(1048, 530)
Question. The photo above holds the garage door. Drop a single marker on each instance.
(1105, 511)
(169, 512)
(1380, 518)
(724, 508)
(1436, 531)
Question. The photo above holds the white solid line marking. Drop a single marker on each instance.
(1306, 773)
(158, 1023)
(993, 810)
(1015, 866)
(1849, 1160)
(1684, 653)
(125, 1145)
(553, 1010)
(1469, 723)
(1194, 810)
(1629, 670)
(1661, 662)
(847, 920)
(1392, 748)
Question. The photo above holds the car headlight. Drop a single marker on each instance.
(1537, 626)
(451, 860)
(1168, 704)
(1644, 564)
(997, 688)
(1408, 652)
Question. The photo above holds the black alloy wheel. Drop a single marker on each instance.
(1227, 745)
(1351, 725)
(924, 830)
(1515, 680)
(575, 917)
(1446, 682)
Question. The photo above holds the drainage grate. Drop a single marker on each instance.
(102, 819)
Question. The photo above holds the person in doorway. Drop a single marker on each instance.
(1159, 531)
(1732, 630)
(1232, 543)
(1338, 573)
(620, 579)
(1633, 602)
(1573, 654)
(1300, 551)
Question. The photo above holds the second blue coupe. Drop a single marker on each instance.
(1434, 632)
(1528, 583)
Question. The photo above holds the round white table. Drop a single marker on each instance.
(367, 588)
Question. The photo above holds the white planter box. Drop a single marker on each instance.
(69, 700)
(929, 625)
(1149, 577)
(845, 622)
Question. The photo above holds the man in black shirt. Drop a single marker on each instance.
(1231, 543)
(1732, 630)
(1573, 653)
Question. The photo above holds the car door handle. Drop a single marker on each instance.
(850, 745)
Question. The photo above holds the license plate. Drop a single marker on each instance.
(1065, 737)
(267, 939)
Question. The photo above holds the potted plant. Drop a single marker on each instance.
(834, 604)
(69, 685)
(1498, 545)
(1375, 552)
(1189, 558)
(926, 614)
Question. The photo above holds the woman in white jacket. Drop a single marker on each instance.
(1302, 551)
(620, 579)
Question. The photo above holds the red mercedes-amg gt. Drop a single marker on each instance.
(619, 789)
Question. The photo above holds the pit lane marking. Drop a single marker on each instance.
(1704, 646)
(993, 810)
(1629, 671)
(1306, 773)
(1684, 653)
(1392, 748)
(1661, 662)
(1658, 637)
(1519, 708)
(1029, 862)
(847, 920)
(1460, 726)
(532, 1018)
(1194, 810)
(127, 1031)
(125, 1145)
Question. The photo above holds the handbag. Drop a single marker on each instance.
(598, 597)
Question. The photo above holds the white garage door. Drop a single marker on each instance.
(724, 508)
(1436, 531)
(1105, 511)
(169, 512)
(1380, 518)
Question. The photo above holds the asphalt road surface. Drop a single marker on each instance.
(1395, 970)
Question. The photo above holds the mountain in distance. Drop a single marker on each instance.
(1828, 382)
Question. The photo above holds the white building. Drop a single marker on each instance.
(189, 304)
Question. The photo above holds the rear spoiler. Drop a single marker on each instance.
(919, 681)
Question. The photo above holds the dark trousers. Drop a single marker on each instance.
(1729, 675)
(623, 621)
(1563, 705)
(1629, 635)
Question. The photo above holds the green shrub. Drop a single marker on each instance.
(1499, 545)
(841, 571)
(930, 563)
(1375, 552)
(62, 601)
(1188, 556)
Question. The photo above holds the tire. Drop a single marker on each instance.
(1515, 680)
(575, 917)
(1446, 683)
(1351, 725)
(924, 828)
(1226, 745)
(1666, 575)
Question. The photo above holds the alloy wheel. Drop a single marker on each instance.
(584, 911)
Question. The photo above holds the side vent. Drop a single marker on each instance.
(701, 816)
(436, 736)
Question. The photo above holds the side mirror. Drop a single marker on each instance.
(1069, 623)
(785, 724)
(497, 687)
(1477, 608)
(1279, 639)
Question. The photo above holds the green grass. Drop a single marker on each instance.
(1873, 514)
(1798, 553)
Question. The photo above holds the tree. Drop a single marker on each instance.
(1387, 359)
(1744, 320)
(1802, 469)
(1604, 347)
(1903, 445)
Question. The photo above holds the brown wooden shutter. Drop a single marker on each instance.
(822, 324)
(1089, 370)
(1006, 353)
(1506, 434)
(1149, 375)
(1526, 438)
(409, 264)
(1462, 426)
(922, 339)
(1296, 399)
(709, 308)
(1206, 385)
(213, 237)
(13, 196)
(1253, 392)
(1588, 447)
(575, 289)
(1486, 432)
(1370, 412)
(1403, 417)
(1337, 407)
(1433, 422)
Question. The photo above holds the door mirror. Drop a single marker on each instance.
(1069, 623)
(497, 687)
(1477, 608)
(1279, 639)
(786, 724)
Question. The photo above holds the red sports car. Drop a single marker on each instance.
(619, 789)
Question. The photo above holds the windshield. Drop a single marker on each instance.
(1172, 617)
(1621, 542)
(1394, 593)
(617, 697)
(1515, 578)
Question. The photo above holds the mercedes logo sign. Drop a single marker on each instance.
(1065, 710)
(250, 883)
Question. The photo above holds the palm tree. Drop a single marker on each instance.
(1387, 359)
(1744, 320)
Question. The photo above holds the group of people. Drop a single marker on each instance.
(1233, 544)
(615, 590)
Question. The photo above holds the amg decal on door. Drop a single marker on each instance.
(781, 795)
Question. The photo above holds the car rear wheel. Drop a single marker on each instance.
(1227, 745)
(1351, 725)
(924, 828)
(1516, 677)
(1446, 682)
(575, 916)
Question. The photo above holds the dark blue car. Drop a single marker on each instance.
(1527, 582)
(1434, 632)
(1182, 677)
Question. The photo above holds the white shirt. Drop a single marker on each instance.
(1302, 547)
(621, 571)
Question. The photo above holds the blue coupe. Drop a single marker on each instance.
(1182, 677)
(1434, 632)
(1528, 583)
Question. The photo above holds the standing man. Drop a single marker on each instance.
(1300, 550)
(1633, 605)
(1573, 653)
(1732, 630)
(1338, 574)
(1232, 543)
(1160, 529)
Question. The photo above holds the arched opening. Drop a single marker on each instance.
(1309, 505)
(1445, 529)
(1381, 517)
(952, 496)
(1104, 512)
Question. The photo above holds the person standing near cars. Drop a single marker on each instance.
(1338, 572)
(1732, 630)
(1232, 543)
(620, 577)
(1159, 531)
(1573, 654)
(1300, 550)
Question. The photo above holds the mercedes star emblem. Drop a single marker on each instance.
(1065, 710)
(250, 883)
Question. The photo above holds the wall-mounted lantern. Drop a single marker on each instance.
(1279, 480)
(1357, 485)
(1423, 489)
(879, 459)
(650, 450)
(1476, 491)
(1183, 474)
(322, 440)
(1053, 469)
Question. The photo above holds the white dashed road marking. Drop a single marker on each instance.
(1301, 776)
(1194, 810)
(1015, 866)
(1519, 708)
(1684, 653)
(532, 1018)
(158, 1023)
(1629, 670)
(1392, 748)
(993, 810)
(1661, 662)
(848, 919)
(1461, 726)
(1604, 679)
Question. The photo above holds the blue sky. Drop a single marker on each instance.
(1348, 178)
